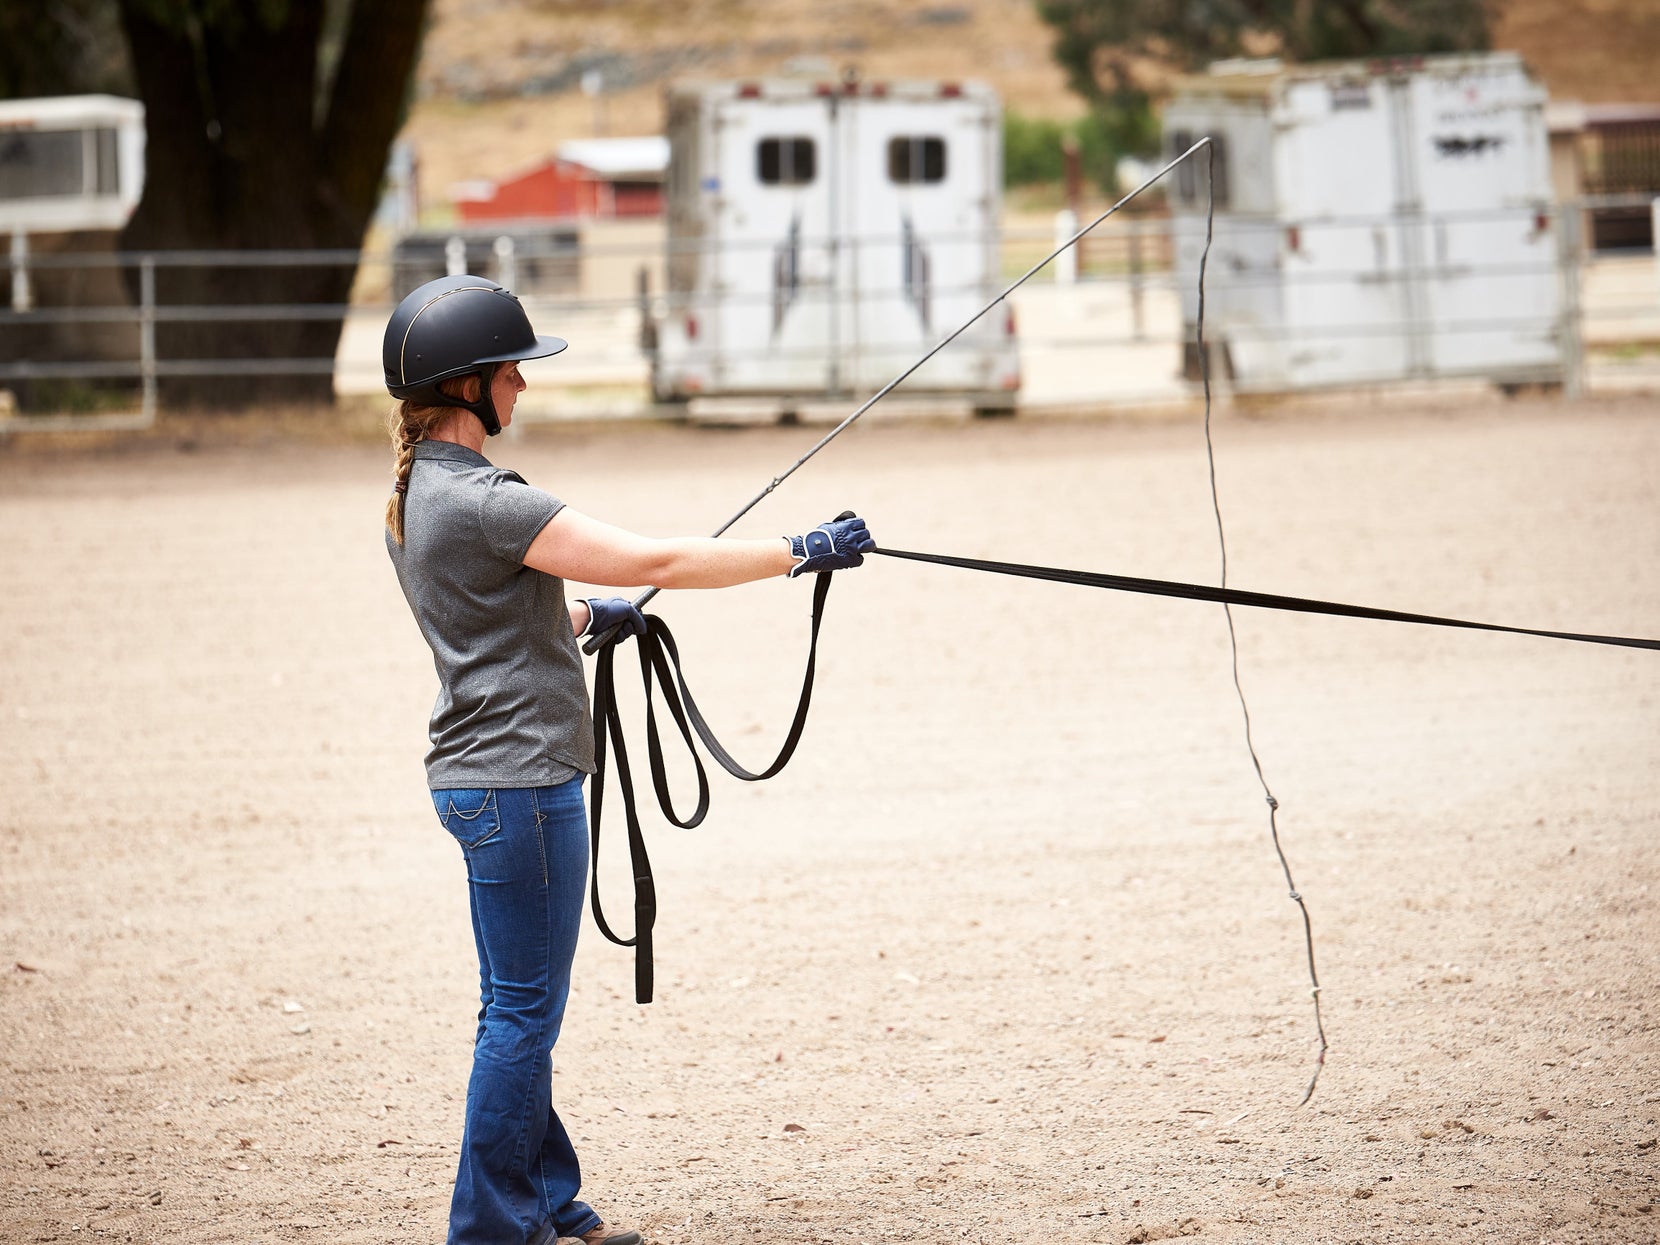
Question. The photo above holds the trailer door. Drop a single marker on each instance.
(916, 205)
(1478, 143)
(770, 300)
(1346, 313)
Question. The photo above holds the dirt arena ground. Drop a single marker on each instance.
(1004, 956)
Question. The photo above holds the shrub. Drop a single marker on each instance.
(1032, 149)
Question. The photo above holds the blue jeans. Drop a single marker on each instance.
(527, 865)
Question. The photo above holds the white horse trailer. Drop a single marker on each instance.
(821, 236)
(1375, 221)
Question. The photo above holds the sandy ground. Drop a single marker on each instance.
(1004, 956)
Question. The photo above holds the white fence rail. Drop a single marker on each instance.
(1106, 326)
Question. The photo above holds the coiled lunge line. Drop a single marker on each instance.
(660, 667)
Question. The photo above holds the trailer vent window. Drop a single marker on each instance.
(48, 163)
(1347, 96)
(1190, 174)
(786, 161)
(914, 158)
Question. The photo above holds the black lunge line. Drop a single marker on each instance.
(1240, 596)
(661, 672)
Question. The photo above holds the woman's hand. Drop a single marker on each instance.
(606, 614)
(834, 546)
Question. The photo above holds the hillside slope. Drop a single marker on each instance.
(500, 83)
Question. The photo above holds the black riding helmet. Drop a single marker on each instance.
(458, 326)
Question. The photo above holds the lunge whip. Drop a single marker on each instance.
(660, 667)
(595, 643)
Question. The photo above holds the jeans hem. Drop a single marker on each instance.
(586, 1226)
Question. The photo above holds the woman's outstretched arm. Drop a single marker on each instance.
(575, 546)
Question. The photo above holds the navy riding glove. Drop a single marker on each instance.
(832, 546)
(605, 613)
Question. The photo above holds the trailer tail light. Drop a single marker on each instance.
(951, 90)
(1294, 239)
(1541, 222)
(691, 328)
(1008, 320)
(749, 90)
(824, 90)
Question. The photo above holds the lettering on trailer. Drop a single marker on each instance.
(1457, 147)
(1346, 96)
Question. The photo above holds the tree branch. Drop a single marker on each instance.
(166, 72)
(367, 105)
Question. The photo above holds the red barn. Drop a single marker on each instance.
(591, 177)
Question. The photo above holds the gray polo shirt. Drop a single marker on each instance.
(512, 708)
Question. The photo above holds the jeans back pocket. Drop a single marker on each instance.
(469, 814)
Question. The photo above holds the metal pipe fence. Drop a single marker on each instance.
(594, 285)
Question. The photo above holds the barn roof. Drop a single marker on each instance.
(633, 159)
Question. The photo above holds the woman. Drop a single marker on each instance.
(481, 557)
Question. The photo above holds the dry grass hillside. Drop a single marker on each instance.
(500, 82)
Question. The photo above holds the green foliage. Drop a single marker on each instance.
(62, 47)
(1384, 28)
(1101, 44)
(1032, 146)
(1031, 150)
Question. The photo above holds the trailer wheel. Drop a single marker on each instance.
(1531, 388)
(1221, 358)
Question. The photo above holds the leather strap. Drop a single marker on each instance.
(1236, 596)
(660, 669)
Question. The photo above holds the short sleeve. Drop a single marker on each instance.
(512, 514)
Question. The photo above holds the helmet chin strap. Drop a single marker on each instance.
(485, 407)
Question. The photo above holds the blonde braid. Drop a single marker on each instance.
(409, 424)
(404, 437)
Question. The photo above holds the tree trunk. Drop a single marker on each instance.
(241, 158)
